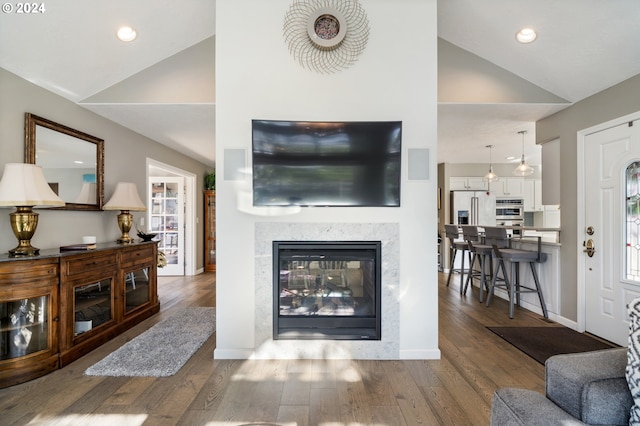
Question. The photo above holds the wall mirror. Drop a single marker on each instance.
(72, 161)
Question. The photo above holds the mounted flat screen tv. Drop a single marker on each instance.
(328, 164)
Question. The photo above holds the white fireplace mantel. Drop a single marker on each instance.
(267, 348)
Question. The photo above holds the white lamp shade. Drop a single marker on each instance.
(24, 185)
(87, 194)
(125, 197)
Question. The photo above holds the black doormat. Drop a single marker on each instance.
(542, 342)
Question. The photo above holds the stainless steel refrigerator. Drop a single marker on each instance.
(473, 208)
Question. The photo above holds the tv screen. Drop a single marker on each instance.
(298, 163)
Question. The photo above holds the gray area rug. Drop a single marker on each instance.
(161, 350)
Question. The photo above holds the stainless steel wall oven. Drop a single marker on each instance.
(510, 211)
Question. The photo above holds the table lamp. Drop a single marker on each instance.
(23, 186)
(125, 198)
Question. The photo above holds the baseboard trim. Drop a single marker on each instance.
(232, 354)
(416, 354)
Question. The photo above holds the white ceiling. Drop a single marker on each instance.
(583, 47)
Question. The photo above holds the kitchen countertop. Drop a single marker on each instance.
(531, 234)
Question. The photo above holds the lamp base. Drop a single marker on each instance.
(24, 222)
(24, 249)
(125, 239)
(125, 220)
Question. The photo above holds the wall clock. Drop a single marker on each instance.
(326, 35)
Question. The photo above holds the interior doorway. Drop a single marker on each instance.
(182, 236)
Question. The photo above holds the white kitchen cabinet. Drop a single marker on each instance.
(551, 216)
(508, 187)
(514, 187)
(538, 206)
(533, 195)
(467, 183)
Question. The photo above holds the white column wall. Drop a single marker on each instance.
(394, 79)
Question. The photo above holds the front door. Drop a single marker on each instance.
(610, 232)
(167, 219)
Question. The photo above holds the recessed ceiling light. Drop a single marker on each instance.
(511, 158)
(526, 35)
(127, 34)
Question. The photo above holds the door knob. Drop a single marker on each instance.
(589, 247)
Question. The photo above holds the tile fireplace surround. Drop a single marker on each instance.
(267, 348)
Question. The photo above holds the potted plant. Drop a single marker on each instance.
(210, 181)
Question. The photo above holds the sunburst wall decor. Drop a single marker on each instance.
(326, 35)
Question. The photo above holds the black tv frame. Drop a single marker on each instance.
(367, 152)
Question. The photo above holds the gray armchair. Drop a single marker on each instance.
(581, 388)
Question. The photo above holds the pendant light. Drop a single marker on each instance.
(523, 169)
(490, 177)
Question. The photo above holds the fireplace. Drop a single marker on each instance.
(327, 290)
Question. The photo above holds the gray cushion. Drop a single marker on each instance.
(482, 249)
(606, 402)
(461, 245)
(515, 407)
(569, 376)
(515, 254)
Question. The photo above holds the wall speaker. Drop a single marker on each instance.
(418, 163)
(234, 163)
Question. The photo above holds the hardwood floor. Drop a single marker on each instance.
(455, 390)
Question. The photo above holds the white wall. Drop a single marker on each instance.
(394, 79)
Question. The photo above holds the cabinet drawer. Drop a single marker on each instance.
(137, 256)
(92, 262)
(28, 271)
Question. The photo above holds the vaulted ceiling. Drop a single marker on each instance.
(162, 85)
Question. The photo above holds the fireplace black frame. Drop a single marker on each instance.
(293, 327)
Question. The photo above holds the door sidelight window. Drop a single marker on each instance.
(633, 222)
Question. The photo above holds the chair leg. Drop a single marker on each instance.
(492, 286)
(494, 278)
(515, 289)
(472, 262)
(453, 258)
(517, 284)
(539, 289)
(462, 272)
(483, 276)
(487, 275)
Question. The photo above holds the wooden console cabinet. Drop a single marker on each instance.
(58, 306)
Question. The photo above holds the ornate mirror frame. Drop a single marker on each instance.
(31, 125)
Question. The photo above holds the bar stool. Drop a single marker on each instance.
(451, 232)
(515, 257)
(483, 254)
(497, 238)
(470, 236)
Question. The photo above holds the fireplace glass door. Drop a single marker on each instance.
(327, 290)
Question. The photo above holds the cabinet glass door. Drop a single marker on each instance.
(24, 327)
(92, 305)
(166, 218)
(136, 288)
